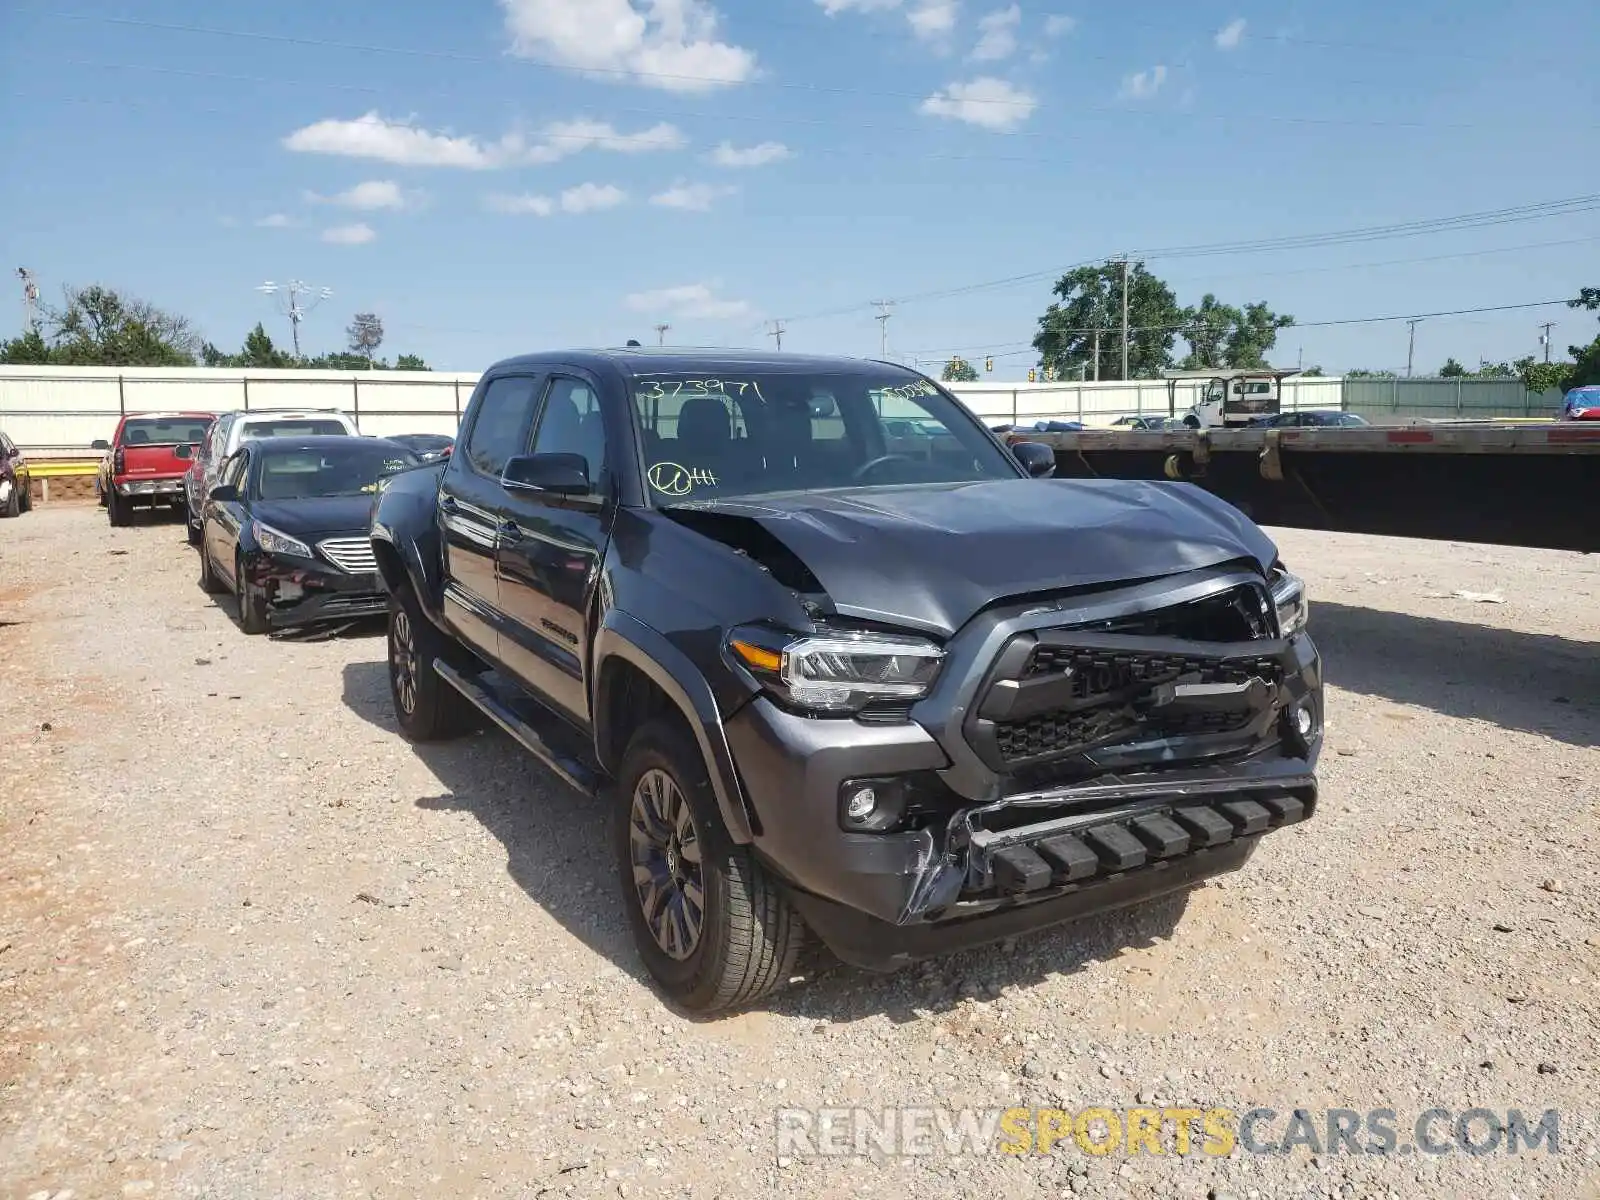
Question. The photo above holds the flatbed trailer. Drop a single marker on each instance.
(1508, 484)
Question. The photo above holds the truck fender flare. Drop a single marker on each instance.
(627, 638)
(424, 584)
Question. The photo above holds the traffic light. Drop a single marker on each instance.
(988, 364)
(1032, 375)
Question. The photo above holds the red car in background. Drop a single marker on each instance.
(146, 460)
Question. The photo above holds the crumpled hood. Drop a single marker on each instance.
(319, 517)
(933, 556)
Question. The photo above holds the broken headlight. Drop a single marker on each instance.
(837, 672)
(1294, 608)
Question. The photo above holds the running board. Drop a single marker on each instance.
(502, 711)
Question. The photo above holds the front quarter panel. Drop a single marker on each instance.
(405, 535)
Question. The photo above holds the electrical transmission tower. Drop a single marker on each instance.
(295, 299)
(661, 334)
(884, 308)
(30, 299)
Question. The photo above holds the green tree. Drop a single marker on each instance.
(1585, 359)
(1542, 376)
(1451, 369)
(98, 326)
(1312, 373)
(1090, 299)
(30, 349)
(1206, 328)
(261, 353)
(1363, 373)
(1255, 333)
(411, 362)
(959, 370)
(1489, 370)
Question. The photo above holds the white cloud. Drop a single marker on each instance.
(1142, 85)
(997, 34)
(932, 18)
(991, 103)
(519, 205)
(402, 142)
(729, 155)
(668, 44)
(692, 300)
(358, 234)
(369, 196)
(1059, 26)
(691, 197)
(1230, 35)
(565, 138)
(834, 7)
(591, 197)
(277, 221)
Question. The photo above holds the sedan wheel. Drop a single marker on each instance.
(667, 870)
(403, 661)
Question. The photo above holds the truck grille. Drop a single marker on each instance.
(352, 555)
(1057, 694)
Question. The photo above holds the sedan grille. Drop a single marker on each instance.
(352, 555)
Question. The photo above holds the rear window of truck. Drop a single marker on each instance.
(163, 431)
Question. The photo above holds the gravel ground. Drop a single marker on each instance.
(252, 944)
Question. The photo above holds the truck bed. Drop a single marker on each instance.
(1516, 485)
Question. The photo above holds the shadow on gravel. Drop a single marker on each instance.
(557, 845)
(1535, 682)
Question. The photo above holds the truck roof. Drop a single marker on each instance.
(167, 416)
(640, 360)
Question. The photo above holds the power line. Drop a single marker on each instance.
(1030, 104)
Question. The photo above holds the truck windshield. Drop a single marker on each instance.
(351, 470)
(751, 432)
(163, 431)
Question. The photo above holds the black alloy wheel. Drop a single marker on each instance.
(403, 661)
(668, 875)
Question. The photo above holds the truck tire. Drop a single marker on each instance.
(426, 708)
(118, 510)
(742, 939)
(13, 505)
(252, 601)
(27, 497)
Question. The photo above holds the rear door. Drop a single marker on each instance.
(470, 503)
(222, 521)
(550, 549)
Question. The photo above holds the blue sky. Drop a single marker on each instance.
(496, 176)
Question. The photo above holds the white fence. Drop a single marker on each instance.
(66, 408)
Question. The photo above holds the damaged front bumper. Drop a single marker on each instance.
(1026, 857)
(302, 592)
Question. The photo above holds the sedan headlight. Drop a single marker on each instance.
(837, 672)
(1294, 608)
(275, 541)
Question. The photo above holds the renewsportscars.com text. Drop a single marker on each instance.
(1211, 1132)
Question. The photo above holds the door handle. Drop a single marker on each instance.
(509, 530)
(448, 504)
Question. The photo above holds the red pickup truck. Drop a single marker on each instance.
(146, 459)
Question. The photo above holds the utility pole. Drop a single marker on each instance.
(30, 300)
(1411, 344)
(884, 313)
(1097, 353)
(1545, 338)
(776, 332)
(661, 334)
(289, 303)
(1124, 317)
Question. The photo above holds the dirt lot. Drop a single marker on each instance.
(252, 944)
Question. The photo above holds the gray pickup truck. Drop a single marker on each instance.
(904, 693)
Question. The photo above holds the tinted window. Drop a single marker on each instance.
(570, 423)
(163, 431)
(351, 469)
(504, 412)
(766, 430)
(233, 469)
(304, 427)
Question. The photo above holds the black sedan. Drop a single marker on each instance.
(285, 529)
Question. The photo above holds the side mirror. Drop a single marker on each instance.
(99, 444)
(1037, 459)
(223, 493)
(559, 474)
